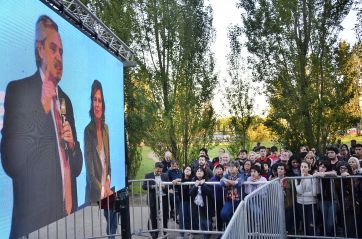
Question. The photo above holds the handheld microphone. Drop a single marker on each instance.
(63, 113)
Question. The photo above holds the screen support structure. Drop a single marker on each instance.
(81, 17)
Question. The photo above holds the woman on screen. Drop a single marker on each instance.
(96, 147)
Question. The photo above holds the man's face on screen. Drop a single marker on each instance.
(51, 54)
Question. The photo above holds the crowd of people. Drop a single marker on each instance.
(317, 201)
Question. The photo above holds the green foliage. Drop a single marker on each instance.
(310, 79)
(358, 27)
(168, 95)
(173, 48)
(238, 94)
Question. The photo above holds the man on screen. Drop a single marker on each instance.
(39, 147)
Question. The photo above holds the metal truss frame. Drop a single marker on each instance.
(79, 15)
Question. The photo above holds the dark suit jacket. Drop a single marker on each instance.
(93, 162)
(29, 155)
(147, 185)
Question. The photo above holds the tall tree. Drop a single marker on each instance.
(238, 93)
(296, 53)
(168, 94)
(174, 49)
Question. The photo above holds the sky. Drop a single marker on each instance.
(225, 14)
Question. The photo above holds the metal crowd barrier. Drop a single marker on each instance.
(335, 212)
(140, 210)
(89, 221)
(260, 214)
(276, 209)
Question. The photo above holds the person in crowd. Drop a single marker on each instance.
(242, 157)
(345, 189)
(167, 161)
(216, 160)
(252, 156)
(312, 161)
(274, 171)
(203, 164)
(202, 153)
(332, 157)
(218, 195)
(255, 179)
(257, 163)
(39, 147)
(97, 156)
(265, 170)
(225, 159)
(307, 190)
(185, 199)
(155, 190)
(303, 149)
(356, 170)
(355, 166)
(287, 189)
(294, 167)
(315, 153)
(254, 182)
(358, 154)
(263, 156)
(273, 155)
(353, 147)
(174, 175)
(201, 194)
(256, 147)
(344, 153)
(232, 183)
(338, 144)
(327, 196)
(284, 156)
(246, 170)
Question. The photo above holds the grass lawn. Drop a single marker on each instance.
(147, 164)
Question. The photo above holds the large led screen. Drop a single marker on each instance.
(61, 118)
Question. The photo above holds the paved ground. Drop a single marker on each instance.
(81, 225)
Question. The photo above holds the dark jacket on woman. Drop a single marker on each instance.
(93, 162)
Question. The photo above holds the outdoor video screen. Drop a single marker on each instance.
(61, 118)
